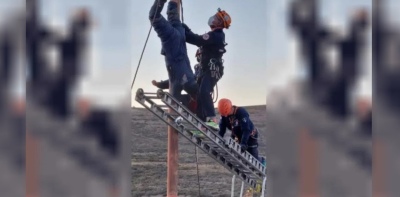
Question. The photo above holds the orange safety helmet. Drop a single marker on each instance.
(220, 19)
(224, 107)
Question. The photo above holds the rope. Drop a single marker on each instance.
(144, 47)
(182, 11)
(195, 150)
(197, 166)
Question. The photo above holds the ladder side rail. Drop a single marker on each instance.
(211, 135)
(246, 155)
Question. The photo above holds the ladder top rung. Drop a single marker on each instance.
(152, 97)
(149, 93)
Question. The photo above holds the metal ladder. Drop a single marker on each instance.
(227, 153)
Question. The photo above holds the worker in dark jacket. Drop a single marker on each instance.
(72, 50)
(213, 47)
(172, 35)
(238, 121)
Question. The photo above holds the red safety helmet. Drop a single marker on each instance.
(224, 107)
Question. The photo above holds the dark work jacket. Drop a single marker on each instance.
(172, 35)
(212, 45)
(240, 125)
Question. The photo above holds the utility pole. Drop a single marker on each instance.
(173, 156)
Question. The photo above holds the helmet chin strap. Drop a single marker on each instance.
(214, 27)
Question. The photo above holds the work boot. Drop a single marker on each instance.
(162, 84)
(212, 119)
(155, 83)
(212, 123)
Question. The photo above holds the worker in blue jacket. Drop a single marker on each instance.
(237, 119)
(173, 40)
(213, 47)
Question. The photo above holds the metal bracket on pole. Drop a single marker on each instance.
(233, 186)
(263, 187)
(241, 189)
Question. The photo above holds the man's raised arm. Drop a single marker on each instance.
(155, 11)
(173, 11)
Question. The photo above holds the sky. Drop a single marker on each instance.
(283, 63)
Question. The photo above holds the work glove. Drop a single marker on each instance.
(155, 11)
(222, 142)
(243, 148)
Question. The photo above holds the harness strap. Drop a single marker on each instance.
(235, 109)
(253, 146)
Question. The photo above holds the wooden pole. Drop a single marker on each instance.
(173, 156)
(308, 160)
(378, 169)
(172, 173)
(31, 165)
(172, 161)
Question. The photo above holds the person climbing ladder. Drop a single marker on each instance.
(237, 119)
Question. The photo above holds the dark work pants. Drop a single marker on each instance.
(253, 146)
(254, 151)
(189, 87)
(205, 105)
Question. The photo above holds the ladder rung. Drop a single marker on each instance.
(152, 97)
(149, 93)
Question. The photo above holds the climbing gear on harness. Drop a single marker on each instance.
(198, 54)
(224, 107)
(215, 66)
(254, 134)
(220, 20)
